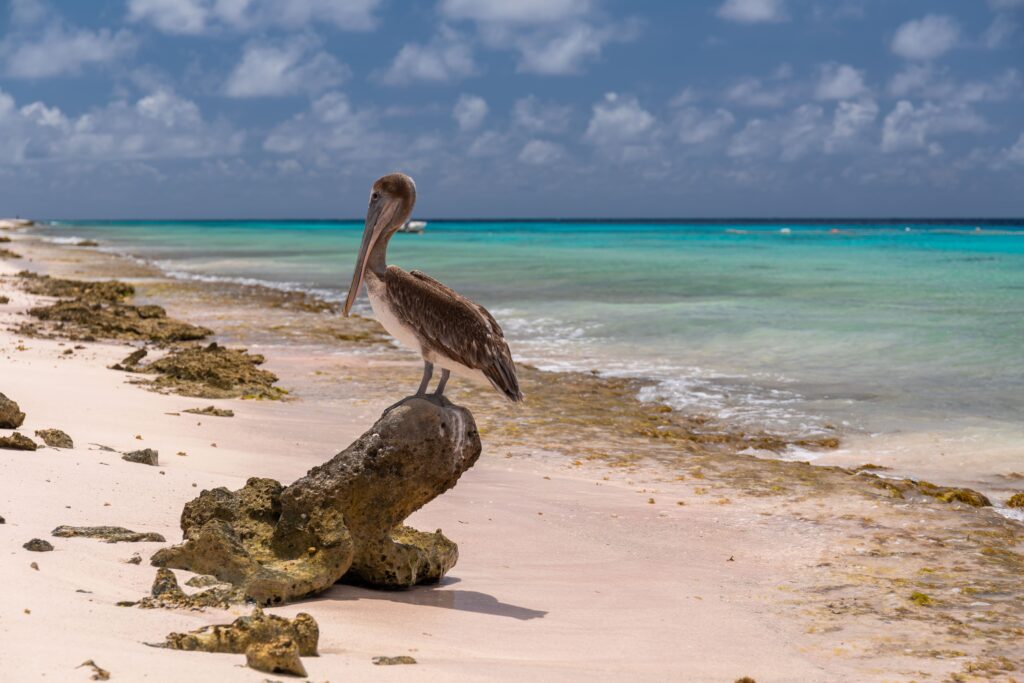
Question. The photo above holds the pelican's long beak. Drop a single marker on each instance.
(371, 232)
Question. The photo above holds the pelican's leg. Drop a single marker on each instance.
(440, 385)
(428, 371)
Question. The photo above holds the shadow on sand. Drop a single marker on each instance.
(438, 595)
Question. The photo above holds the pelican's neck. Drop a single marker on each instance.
(376, 262)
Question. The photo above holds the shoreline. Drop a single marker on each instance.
(560, 517)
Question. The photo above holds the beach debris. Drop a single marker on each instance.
(101, 447)
(91, 290)
(38, 545)
(211, 410)
(2, 520)
(11, 416)
(134, 559)
(34, 565)
(392, 661)
(213, 371)
(146, 456)
(4, 299)
(55, 438)
(110, 534)
(98, 672)
(1016, 500)
(270, 643)
(167, 594)
(17, 442)
(8, 254)
(131, 361)
(276, 544)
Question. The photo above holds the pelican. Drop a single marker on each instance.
(444, 327)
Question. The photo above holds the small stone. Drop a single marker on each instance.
(147, 456)
(110, 534)
(17, 442)
(38, 545)
(55, 438)
(35, 565)
(2, 520)
(280, 656)
(392, 661)
(134, 559)
(211, 410)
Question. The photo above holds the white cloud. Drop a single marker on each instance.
(752, 11)
(850, 122)
(193, 17)
(1005, 4)
(268, 70)
(752, 140)
(753, 92)
(696, 127)
(565, 51)
(445, 58)
(911, 128)
(160, 125)
(61, 50)
(618, 120)
(517, 11)
(839, 82)
(928, 81)
(1015, 152)
(470, 111)
(927, 38)
(333, 129)
(1000, 32)
(531, 114)
(540, 152)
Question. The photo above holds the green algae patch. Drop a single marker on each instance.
(111, 291)
(1016, 500)
(212, 371)
(921, 599)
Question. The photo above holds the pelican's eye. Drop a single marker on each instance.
(375, 196)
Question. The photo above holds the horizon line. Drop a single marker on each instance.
(553, 219)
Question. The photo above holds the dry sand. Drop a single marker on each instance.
(566, 572)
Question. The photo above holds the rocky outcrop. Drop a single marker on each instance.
(259, 627)
(110, 534)
(167, 594)
(102, 290)
(89, 319)
(212, 371)
(1016, 500)
(146, 456)
(38, 545)
(17, 442)
(11, 416)
(343, 519)
(55, 438)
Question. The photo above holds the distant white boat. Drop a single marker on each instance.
(785, 231)
(413, 226)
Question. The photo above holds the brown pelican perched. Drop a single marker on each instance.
(446, 328)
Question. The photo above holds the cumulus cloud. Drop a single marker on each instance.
(519, 12)
(931, 82)
(695, 127)
(850, 124)
(908, 127)
(754, 92)
(531, 114)
(445, 58)
(621, 128)
(469, 112)
(540, 152)
(160, 125)
(1015, 152)
(268, 70)
(565, 51)
(333, 129)
(201, 16)
(839, 82)
(927, 38)
(59, 49)
(752, 11)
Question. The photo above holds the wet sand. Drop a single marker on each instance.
(600, 539)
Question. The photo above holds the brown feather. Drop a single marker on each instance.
(450, 325)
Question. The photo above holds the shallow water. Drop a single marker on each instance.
(880, 328)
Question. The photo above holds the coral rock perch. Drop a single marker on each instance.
(343, 519)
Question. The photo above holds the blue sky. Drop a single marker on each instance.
(261, 108)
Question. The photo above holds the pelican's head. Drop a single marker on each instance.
(391, 202)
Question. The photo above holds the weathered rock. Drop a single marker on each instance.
(167, 594)
(392, 661)
(130, 363)
(11, 416)
(134, 559)
(1016, 500)
(4, 239)
(17, 442)
(104, 290)
(901, 488)
(343, 518)
(204, 581)
(239, 635)
(8, 254)
(55, 438)
(212, 411)
(87, 243)
(2, 520)
(213, 372)
(38, 545)
(4, 299)
(110, 534)
(147, 456)
(280, 656)
(98, 319)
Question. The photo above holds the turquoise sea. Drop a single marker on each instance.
(875, 328)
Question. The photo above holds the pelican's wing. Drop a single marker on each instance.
(451, 325)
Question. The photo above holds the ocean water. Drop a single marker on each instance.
(790, 327)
